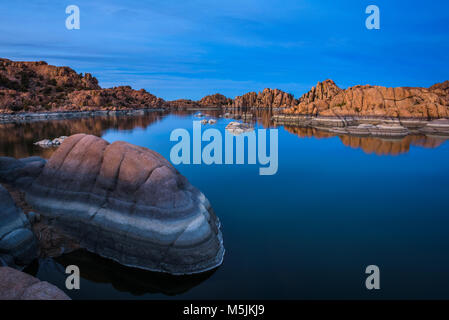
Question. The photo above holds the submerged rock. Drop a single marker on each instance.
(16, 285)
(129, 204)
(18, 246)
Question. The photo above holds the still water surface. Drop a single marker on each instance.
(336, 205)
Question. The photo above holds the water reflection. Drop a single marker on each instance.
(372, 145)
(135, 281)
(99, 270)
(17, 139)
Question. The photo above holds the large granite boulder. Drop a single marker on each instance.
(16, 285)
(129, 204)
(18, 246)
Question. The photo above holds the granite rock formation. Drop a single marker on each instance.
(18, 246)
(129, 204)
(183, 104)
(215, 100)
(16, 285)
(327, 99)
(39, 87)
(268, 98)
(20, 172)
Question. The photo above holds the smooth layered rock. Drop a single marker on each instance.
(129, 204)
(437, 127)
(16, 285)
(20, 172)
(18, 246)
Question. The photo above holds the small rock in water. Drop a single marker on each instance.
(46, 143)
(237, 128)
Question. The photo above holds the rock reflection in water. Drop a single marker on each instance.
(372, 145)
(125, 279)
(17, 139)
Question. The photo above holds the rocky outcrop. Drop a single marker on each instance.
(18, 246)
(215, 100)
(183, 104)
(328, 100)
(117, 98)
(39, 87)
(16, 285)
(268, 98)
(129, 204)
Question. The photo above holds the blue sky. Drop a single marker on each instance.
(188, 49)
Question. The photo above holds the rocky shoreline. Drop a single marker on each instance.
(61, 115)
(367, 126)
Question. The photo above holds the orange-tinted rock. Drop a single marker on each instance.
(326, 99)
(215, 100)
(268, 98)
(39, 87)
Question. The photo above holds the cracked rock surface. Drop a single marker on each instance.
(129, 204)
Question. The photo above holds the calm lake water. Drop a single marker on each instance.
(336, 205)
